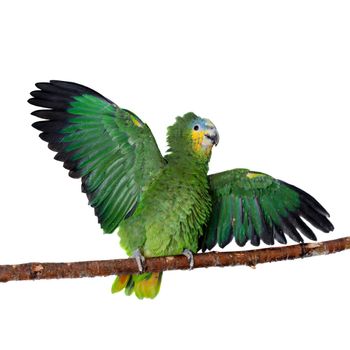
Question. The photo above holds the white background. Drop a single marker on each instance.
(273, 76)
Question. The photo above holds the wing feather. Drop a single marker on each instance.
(110, 148)
(252, 206)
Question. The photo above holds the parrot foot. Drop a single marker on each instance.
(189, 255)
(140, 260)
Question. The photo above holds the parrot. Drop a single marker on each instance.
(165, 205)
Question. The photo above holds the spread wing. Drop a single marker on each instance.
(252, 206)
(109, 148)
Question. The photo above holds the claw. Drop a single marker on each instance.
(189, 255)
(140, 260)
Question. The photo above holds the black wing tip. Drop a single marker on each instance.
(321, 222)
(223, 243)
(35, 93)
(56, 97)
(266, 235)
(279, 235)
(312, 211)
(63, 88)
(42, 85)
(74, 174)
(37, 126)
(206, 247)
(308, 198)
(58, 81)
(269, 242)
(36, 113)
(241, 244)
(34, 101)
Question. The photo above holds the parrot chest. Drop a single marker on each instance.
(170, 216)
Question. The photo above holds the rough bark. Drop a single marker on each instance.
(39, 271)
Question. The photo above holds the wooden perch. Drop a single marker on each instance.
(39, 271)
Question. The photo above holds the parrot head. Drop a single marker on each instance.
(193, 134)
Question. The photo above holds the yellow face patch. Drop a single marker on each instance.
(197, 138)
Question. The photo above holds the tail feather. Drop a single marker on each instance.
(120, 283)
(146, 285)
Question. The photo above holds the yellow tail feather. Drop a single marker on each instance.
(120, 283)
(145, 286)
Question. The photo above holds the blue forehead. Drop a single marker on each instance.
(199, 121)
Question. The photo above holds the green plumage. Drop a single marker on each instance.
(262, 208)
(100, 143)
(172, 211)
(164, 205)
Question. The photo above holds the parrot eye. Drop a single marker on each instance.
(196, 127)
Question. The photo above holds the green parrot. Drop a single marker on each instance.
(165, 205)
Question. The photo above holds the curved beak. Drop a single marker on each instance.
(212, 133)
(214, 137)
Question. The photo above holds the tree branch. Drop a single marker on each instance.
(39, 271)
